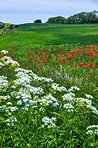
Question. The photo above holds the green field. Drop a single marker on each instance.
(65, 53)
(30, 35)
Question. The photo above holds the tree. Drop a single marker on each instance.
(82, 18)
(57, 20)
(38, 21)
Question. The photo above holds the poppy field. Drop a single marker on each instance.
(49, 91)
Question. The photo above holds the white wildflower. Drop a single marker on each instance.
(48, 122)
(69, 107)
(89, 132)
(12, 109)
(84, 100)
(74, 87)
(68, 97)
(9, 103)
(55, 104)
(92, 126)
(11, 121)
(19, 102)
(92, 129)
(4, 51)
(94, 110)
(47, 79)
(88, 96)
(55, 86)
(8, 60)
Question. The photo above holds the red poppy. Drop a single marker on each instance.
(55, 57)
(69, 56)
(66, 61)
(77, 79)
(70, 64)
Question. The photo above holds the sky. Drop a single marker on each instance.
(27, 11)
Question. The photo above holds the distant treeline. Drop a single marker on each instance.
(80, 18)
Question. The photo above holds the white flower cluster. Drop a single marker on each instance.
(11, 121)
(47, 79)
(69, 107)
(3, 107)
(34, 90)
(48, 122)
(23, 98)
(35, 77)
(3, 77)
(23, 79)
(49, 99)
(4, 51)
(84, 100)
(94, 110)
(55, 86)
(68, 97)
(6, 97)
(88, 96)
(6, 60)
(9, 109)
(74, 87)
(23, 70)
(3, 84)
(93, 129)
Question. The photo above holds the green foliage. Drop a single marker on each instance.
(80, 18)
(83, 18)
(57, 20)
(37, 21)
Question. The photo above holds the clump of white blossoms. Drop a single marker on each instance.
(7, 60)
(49, 99)
(35, 77)
(11, 121)
(88, 96)
(55, 86)
(3, 84)
(73, 88)
(84, 100)
(94, 110)
(92, 129)
(68, 97)
(4, 51)
(48, 122)
(69, 107)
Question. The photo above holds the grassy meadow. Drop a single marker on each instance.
(49, 86)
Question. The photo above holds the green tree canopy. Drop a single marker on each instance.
(80, 18)
(57, 20)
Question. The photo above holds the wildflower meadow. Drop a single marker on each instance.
(48, 96)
